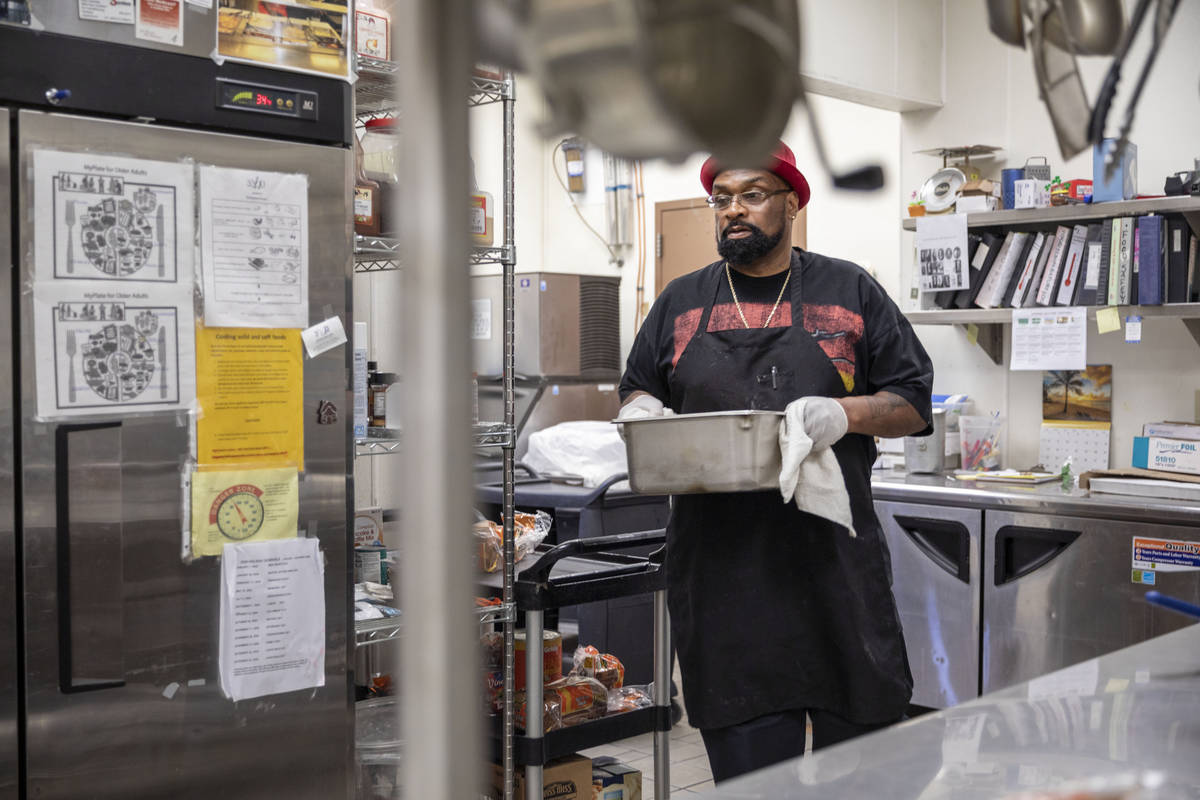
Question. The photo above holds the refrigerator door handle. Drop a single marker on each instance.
(96, 655)
(945, 542)
(1021, 550)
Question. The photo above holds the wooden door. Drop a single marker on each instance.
(687, 238)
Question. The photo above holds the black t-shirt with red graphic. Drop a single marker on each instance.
(852, 319)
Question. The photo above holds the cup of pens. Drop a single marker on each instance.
(982, 440)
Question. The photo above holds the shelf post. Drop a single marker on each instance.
(534, 700)
(439, 722)
(662, 693)
(533, 707)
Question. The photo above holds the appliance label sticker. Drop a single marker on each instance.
(1165, 555)
(120, 11)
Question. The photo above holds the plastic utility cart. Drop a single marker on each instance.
(621, 625)
(590, 570)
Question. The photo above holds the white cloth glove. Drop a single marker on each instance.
(644, 405)
(641, 407)
(825, 420)
(810, 473)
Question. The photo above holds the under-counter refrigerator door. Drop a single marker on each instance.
(120, 634)
(9, 754)
(935, 569)
(1060, 590)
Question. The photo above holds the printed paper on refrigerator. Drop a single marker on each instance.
(110, 218)
(272, 637)
(104, 348)
(254, 248)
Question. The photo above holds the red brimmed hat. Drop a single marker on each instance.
(782, 163)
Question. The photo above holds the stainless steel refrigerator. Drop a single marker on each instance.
(108, 638)
(1059, 590)
(936, 561)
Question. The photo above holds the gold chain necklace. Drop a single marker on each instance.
(738, 305)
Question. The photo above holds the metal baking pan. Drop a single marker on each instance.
(721, 451)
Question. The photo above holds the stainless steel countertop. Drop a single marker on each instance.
(1045, 498)
(1133, 716)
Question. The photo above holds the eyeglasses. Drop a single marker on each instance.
(751, 199)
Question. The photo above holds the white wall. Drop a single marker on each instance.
(844, 224)
(882, 53)
(991, 98)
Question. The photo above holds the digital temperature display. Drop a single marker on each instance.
(266, 99)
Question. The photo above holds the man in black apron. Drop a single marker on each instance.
(776, 613)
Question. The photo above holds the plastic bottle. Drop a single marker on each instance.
(381, 163)
(366, 197)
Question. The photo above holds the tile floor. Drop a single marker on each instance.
(690, 774)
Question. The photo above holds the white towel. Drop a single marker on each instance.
(813, 479)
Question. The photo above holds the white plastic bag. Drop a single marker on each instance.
(587, 449)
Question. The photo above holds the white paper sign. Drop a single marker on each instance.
(107, 11)
(481, 319)
(1049, 339)
(272, 636)
(113, 284)
(109, 218)
(942, 252)
(103, 348)
(254, 248)
(323, 336)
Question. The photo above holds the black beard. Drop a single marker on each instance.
(739, 252)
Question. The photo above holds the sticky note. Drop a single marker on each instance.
(972, 333)
(1108, 320)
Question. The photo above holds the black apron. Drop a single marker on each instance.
(772, 608)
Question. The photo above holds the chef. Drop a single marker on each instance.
(776, 613)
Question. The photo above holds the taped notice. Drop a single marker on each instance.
(249, 505)
(942, 252)
(272, 634)
(1165, 555)
(160, 21)
(250, 388)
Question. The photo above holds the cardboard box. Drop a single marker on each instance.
(1172, 430)
(568, 778)
(605, 785)
(1170, 455)
(628, 778)
(368, 527)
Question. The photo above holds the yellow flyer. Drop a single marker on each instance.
(250, 388)
(252, 505)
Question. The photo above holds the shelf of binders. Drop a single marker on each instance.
(1038, 227)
